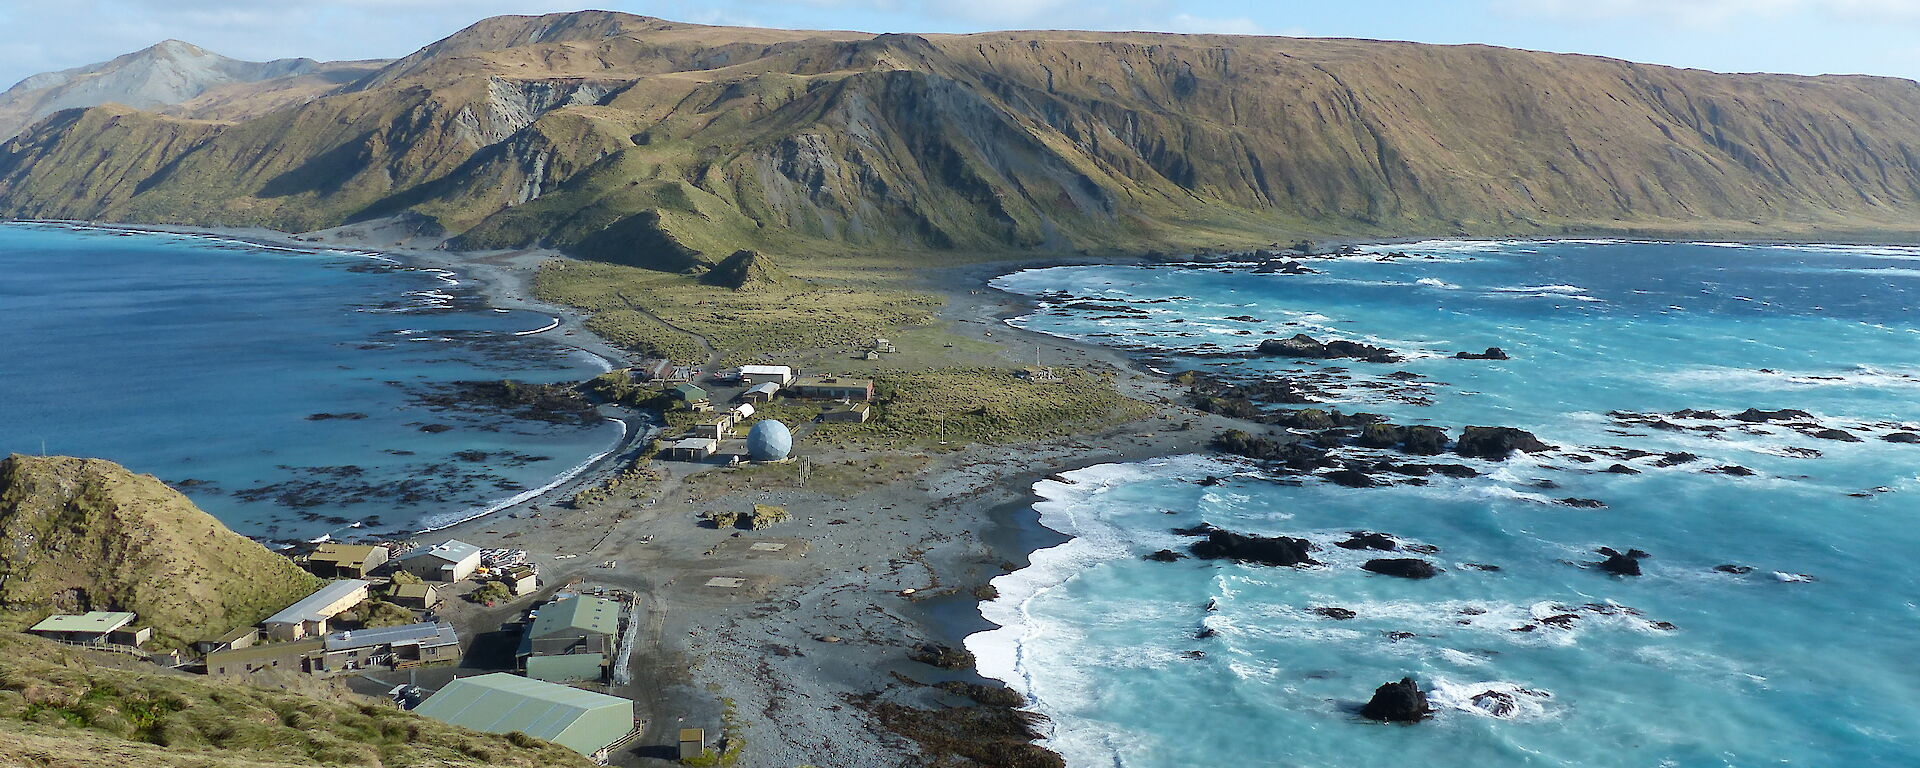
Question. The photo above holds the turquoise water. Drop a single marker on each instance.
(200, 360)
(1755, 669)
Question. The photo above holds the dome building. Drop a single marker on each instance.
(769, 441)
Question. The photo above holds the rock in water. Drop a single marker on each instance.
(1621, 563)
(1497, 443)
(1277, 550)
(1403, 567)
(1496, 703)
(1302, 345)
(1163, 556)
(1368, 540)
(1401, 702)
(1492, 353)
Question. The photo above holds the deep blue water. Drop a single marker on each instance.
(1754, 671)
(200, 360)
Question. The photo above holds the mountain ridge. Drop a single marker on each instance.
(656, 143)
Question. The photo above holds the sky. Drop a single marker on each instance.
(1799, 36)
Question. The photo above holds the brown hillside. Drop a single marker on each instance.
(662, 144)
(86, 534)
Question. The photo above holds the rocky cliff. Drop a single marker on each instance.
(85, 534)
(673, 145)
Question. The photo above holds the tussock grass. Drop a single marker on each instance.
(772, 323)
(70, 708)
(987, 405)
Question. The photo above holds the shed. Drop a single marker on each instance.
(693, 449)
(742, 412)
(420, 597)
(90, 628)
(583, 721)
(763, 374)
(851, 413)
(653, 369)
(345, 561)
(833, 388)
(309, 616)
(449, 561)
(292, 657)
(520, 579)
(244, 637)
(690, 394)
(761, 393)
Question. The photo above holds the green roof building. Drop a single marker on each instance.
(571, 639)
(690, 393)
(583, 721)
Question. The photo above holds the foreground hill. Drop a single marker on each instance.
(77, 709)
(86, 534)
(674, 145)
(176, 78)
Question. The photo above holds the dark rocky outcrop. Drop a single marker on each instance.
(1163, 556)
(1424, 441)
(1492, 353)
(1245, 548)
(1403, 567)
(1368, 540)
(1583, 503)
(1401, 702)
(1497, 443)
(1840, 435)
(1737, 570)
(1620, 563)
(1901, 437)
(1757, 416)
(1304, 346)
(1334, 612)
(1621, 469)
(944, 657)
(1351, 478)
(1495, 703)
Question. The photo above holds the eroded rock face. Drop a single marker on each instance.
(1401, 702)
(1245, 548)
(1497, 443)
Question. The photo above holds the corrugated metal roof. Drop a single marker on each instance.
(503, 702)
(91, 621)
(765, 387)
(452, 551)
(766, 370)
(308, 609)
(586, 614)
(427, 634)
(690, 392)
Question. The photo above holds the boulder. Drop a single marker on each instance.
(1583, 503)
(1245, 548)
(1401, 702)
(1901, 437)
(1164, 556)
(1620, 563)
(1368, 540)
(1836, 434)
(1495, 703)
(1757, 416)
(1403, 567)
(1497, 443)
(1621, 469)
(1492, 353)
(1737, 570)
(1351, 478)
(1424, 441)
(1334, 612)
(1380, 436)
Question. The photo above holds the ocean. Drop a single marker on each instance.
(292, 394)
(1805, 660)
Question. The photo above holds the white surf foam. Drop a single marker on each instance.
(475, 513)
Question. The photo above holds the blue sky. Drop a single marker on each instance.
(1802, 36)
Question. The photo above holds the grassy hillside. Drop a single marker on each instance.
(86, 534)
(63, 708)
(671, 146)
